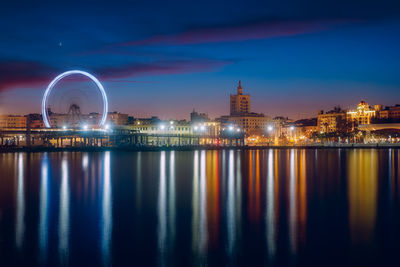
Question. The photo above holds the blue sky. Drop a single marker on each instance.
(166, 58)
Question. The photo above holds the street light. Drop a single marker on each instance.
(291, 128)
(270, 128)
(64, 127)
(230, 128)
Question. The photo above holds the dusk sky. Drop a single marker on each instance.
(166, 58)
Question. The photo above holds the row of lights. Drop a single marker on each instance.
(270, 128)
(85, 127)
(232, 129)
(171, 127)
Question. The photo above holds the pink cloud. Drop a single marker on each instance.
(161, 68)
(19, 74)
(239, 33)
(23, 74)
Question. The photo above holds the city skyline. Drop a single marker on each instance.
(293, 62)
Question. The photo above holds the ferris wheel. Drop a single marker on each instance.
(73, 99)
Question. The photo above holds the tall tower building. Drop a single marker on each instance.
(240, 103)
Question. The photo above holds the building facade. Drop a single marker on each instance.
(251, 123)
(239, 103)
(12, 121)
(330, 121)
(117, 118)
(392, 112)
(240, 116)
(362, 115)
(198, 117)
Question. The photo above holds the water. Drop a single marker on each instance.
(232, 207)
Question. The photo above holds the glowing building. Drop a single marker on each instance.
(330, 121)
(362, 115)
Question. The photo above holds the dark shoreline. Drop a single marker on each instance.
(190, 148)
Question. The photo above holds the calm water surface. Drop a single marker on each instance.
(232, 207)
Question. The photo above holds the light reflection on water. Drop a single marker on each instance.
(203, 207)
(63, 221)
(20, 215)
(363, 185)
(44, 209)
(106, 210)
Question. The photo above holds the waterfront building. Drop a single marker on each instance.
(330, 121)
(307, 127)
(390, 113)
(362, 115)
(146, 121)
(178, 132)
(251, 123)
(240, 116)
(117, 118)
(58, 120)
(12, 121)
(156, 126)
(198, 117)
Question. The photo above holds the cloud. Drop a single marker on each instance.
(264, 30)
(161, 68)
(17, 74)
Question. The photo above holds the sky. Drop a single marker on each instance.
(165, 58)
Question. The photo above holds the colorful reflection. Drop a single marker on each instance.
(274, 206)
(254, 187)
(106, 210)
(297, 199)
(20, 215)
(44, 208)
(64, 220)
(199, 202)
(213, 197)
(166, 207)
(233, 203)
(271, 204)
(362, 194)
